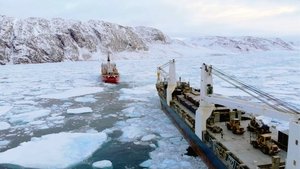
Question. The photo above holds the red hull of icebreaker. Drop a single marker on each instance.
(110, 79)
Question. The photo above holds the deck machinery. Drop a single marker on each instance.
(201, 116)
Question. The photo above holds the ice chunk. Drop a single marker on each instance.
(148, 137)
(73, 92)
(133, 98)
(4, 109)
(132, 112)
(29, 116)
(26, 102)
(102, 164)
(147, 163)
(131, 94)
(38, 122)
(131, 130)
(58, 150)
(170, 152)
(134, 91)
(170, 144)
(80, 110)
(185, 164)
(128, 110)
(168, 162)
(85, 99)
(4, 143)
(4, 125)
(152, 145)
(55, 118)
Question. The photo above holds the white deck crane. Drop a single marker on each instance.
(162, 75)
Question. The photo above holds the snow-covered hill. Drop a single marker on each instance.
(241, 44)
(38, 40)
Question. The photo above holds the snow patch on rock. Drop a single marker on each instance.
(39, 40)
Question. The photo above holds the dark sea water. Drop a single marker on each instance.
(122, 155)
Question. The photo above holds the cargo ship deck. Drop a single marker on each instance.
(224, 130)
(240, 145)
(236, 145)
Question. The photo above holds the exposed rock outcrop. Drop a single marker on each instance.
(38, 40)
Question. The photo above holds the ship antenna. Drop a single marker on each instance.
(108, 59)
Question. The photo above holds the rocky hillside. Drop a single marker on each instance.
(37, 40)
(241, 44)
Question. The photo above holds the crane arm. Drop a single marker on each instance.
(249, 107)
(278, 109)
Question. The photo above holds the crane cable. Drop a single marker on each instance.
(281, 105)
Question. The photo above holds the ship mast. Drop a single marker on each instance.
(108, 59)
(170, 76)
(109, 66)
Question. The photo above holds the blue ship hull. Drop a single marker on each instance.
(198, 146)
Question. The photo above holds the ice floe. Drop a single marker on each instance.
(86, 99)
(4, 125)
(103, 164)
(136, 93)
(148, 137)
(30, 102)
(133, 111)
(4, 143)
(80, 110)
(55, 118)
(37, 122)
(170, 153)
(28, 116)
(4, 109)
(171, 146)
(131, 130)
(73, 92)
(54, 150)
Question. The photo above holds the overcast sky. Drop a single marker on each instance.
(179, 18)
